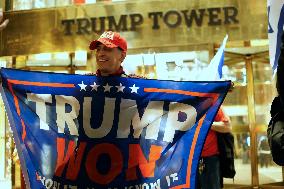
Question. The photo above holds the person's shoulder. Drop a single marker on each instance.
(276, 106)
(123, 75)
(135, 76)
(91, 74)
(221, 115)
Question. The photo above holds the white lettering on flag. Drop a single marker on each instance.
(181, 117)
(107, 122)
(128, 108)
(40, 100)
(150, 119)
(64, 117)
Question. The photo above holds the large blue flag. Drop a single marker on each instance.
(83, 131)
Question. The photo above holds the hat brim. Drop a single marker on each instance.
(106, 42)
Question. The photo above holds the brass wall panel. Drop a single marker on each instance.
(37, 31)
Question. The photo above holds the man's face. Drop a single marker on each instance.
(109, 59)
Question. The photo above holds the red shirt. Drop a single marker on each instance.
(210, 147)
(119, 72)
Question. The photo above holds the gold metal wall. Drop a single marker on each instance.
(38, 31)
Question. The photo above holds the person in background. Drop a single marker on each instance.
(279, 100)
(209, 165)
(245, 151)
(264, 152)
(276, 134)
(280, 72)
(4, 23)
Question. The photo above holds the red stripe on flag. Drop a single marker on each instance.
(41, 84)
(171, 91)
(191, 153)
(16, 101)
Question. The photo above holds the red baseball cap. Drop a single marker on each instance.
(111, 40)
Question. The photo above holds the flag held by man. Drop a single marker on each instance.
(82, 131)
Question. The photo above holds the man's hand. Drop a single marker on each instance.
(222, 126)
(4, 23)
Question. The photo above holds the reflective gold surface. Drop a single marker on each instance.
(44, 30)
(252, 121)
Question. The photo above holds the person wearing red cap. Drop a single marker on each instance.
(110, 49)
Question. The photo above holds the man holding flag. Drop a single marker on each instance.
(110, 52)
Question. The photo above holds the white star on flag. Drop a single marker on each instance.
(134, 89)
(95, 86)
(83, 86)
(120, 88)
(107, 88)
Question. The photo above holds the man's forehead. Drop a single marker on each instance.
(100, 45)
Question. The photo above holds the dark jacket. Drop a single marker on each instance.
(279, 100)
(275, 130)
(280, 71)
